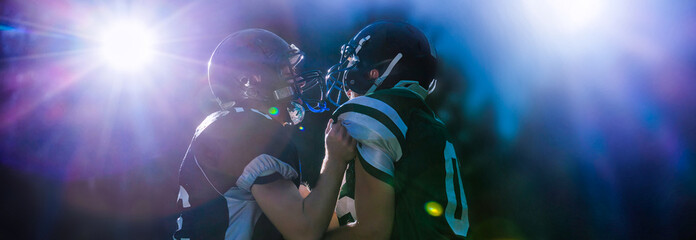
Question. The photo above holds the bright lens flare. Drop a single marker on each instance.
(433, 208)
(273, 111)
(570, 18)
(127, 45)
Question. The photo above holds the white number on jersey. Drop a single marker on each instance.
(456, 211)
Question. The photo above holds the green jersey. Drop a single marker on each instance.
(403, 143)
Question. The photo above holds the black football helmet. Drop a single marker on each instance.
(258, 65)
(398, 50)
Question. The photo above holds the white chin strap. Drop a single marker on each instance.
(225, 105)
(386, 73)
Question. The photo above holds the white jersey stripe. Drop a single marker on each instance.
(184, 197)
(377, 159)
(369, 131)
(344, 206)
(384, 108)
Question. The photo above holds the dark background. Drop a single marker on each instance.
(573, 121)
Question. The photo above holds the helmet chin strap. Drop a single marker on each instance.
(386, 73)
(225, 105)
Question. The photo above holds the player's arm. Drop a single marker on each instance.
(374, 205)
(307, 218)
(380, 132)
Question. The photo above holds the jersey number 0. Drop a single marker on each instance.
(456, 211)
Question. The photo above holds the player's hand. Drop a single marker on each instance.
(339, 144)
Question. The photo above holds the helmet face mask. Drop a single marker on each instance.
(336, 77)
(304, 90)
(311, 89)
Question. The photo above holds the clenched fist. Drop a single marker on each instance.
(340, 146)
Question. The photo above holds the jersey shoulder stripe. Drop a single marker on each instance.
(383, 107)
(376, 114)
(209, 120)
(373, 135)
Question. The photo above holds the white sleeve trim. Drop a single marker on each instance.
(384, 108)
(377, 159)
(184, 197)
(371, 132)
(263, 164)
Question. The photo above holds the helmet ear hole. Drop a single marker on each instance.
(373, 74)
(244, 80)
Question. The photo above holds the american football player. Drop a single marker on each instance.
(406, 182)
(240, 175)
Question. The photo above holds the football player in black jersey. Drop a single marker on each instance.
(406, 182)
(240, 175)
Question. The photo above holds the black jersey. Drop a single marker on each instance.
(231, 150)
(403, 143)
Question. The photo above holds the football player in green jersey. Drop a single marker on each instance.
(406, 181)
